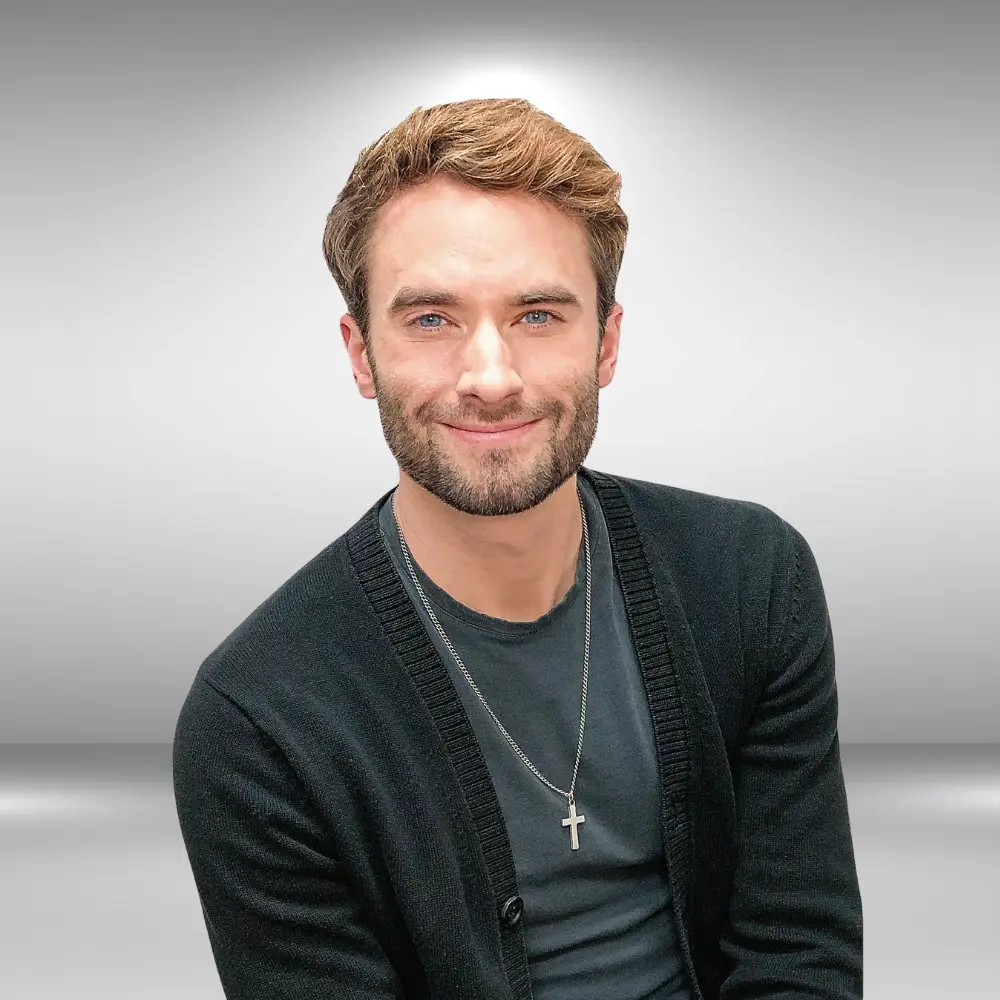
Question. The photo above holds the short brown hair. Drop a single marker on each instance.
(498, 144)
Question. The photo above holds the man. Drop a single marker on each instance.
(526, 729)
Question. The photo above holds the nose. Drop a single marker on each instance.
(488, 366)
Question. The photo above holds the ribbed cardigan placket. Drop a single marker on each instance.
(658, 661)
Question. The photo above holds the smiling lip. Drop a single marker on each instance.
(507, 433)
(491, 428)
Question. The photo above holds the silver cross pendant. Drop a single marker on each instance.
(573, 821)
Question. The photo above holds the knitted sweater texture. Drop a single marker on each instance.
(343, 831)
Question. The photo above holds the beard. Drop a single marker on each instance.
(496, 480)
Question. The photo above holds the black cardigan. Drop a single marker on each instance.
(343, 831)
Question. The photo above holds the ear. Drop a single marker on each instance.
(609, 346)
(358, 355)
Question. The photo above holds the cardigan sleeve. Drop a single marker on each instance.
(795, 917)
(281, 919)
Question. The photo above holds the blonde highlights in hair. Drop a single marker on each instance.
(495, 144)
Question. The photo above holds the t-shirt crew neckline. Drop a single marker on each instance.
(444, 604)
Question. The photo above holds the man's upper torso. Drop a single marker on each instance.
(360, 755)
(600, 914)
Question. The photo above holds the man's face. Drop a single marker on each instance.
(483, 359)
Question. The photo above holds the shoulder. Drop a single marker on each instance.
(728, 565)
(311, 634)
(696, 531)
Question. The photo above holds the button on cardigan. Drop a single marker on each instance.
(343, 831)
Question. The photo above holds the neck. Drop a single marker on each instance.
(515, 567)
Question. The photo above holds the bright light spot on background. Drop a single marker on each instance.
(550, 90)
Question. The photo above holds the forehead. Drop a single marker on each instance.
(480, 243)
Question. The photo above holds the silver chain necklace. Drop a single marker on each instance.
(573, 820)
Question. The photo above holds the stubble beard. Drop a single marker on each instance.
(490, 482)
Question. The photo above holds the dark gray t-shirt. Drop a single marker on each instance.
(597, 921)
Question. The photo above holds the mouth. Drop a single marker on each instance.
(507, 435)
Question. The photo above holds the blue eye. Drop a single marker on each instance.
(537, 312)
(437, 326)
(427, 316)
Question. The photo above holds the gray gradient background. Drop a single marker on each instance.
(810, 299)
(811, 322)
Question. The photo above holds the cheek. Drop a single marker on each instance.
(425, 399)
(415, 385)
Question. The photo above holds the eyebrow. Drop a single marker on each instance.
(409, 296)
